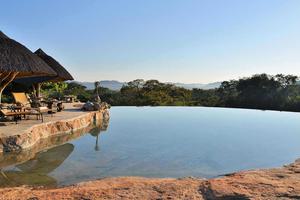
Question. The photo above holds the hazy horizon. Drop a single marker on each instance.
(188, 41)
(148, 79)
(218, 81)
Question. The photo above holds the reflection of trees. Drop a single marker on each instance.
(36, 170)
(97, 130)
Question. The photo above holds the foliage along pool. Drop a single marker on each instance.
(166, 142)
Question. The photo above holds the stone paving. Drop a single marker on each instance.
(11, 128)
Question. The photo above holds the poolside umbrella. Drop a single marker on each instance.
(62, 73)
(18, 61)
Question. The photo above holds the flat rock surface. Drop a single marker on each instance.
(11, 128)
(279, 183)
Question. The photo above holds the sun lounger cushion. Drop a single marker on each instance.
(20, 97)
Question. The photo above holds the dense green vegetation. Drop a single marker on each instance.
(262, 91)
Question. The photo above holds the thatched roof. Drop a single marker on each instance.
(15, 57)
(62, 73)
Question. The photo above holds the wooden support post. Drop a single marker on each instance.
(6, 78)
(37, 88)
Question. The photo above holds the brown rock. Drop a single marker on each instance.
(281, 183)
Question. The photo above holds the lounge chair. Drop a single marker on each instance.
(17, 115)
(22, 99)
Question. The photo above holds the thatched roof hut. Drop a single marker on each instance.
(62, 73)
(14, 57)
(18, 61)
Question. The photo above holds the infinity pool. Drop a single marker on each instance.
(166, 142)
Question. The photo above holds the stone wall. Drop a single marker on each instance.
(28, 138)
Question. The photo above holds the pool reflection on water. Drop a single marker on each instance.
(162, 142)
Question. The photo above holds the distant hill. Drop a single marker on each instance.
(199, 85)
(117, 85)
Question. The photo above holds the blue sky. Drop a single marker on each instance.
(169, 40)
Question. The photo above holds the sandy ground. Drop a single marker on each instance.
(281, 183)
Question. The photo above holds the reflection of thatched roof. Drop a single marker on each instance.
(62, 73)
(36, 170)
(17, 178)
(47, 161)
(14, 57)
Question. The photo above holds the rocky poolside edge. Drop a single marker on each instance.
(278, 183)
(26, 139)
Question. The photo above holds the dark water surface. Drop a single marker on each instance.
(166, 142)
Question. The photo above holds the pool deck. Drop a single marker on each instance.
(27, 132)
(11, 128)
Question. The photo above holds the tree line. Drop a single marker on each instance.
(260, 91)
